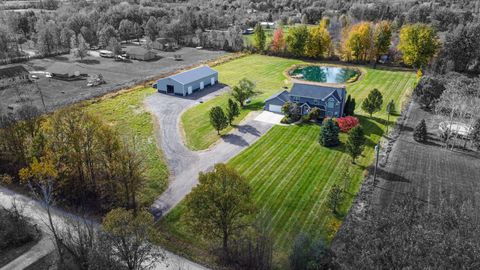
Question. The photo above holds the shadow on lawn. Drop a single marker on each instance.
(391, 177)
(254, 106)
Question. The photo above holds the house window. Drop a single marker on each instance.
(331, 104)
(295, 99)
(316, 102)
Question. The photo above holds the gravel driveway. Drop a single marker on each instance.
(184, 163)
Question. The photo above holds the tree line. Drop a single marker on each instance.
(363, 42)
(219, 24)
(91, 166)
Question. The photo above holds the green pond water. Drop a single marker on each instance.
(323, 74)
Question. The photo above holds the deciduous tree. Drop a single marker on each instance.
(335, 198)
(151, 29)
(318, 42)
(259, 38)
(243, 91)
(130, 235)
(81, 51)
(296, 40)
(232, 110)
(308, 253)
(278, 41)
(373, 103)
(218, 119)
(125, 29)
(221, 205)
(355, 142)
(418, 44)
(114, 46)
(382, 39)
(357, 42)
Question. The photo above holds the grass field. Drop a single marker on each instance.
(291, 174)
(126, 114)
(265, 71)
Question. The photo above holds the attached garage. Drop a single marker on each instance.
(275, 102)
(188, 82)
(275, 108)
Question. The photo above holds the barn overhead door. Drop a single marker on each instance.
(275, 108)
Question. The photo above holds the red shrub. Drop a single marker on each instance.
(346, 123)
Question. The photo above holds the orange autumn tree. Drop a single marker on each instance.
(278, 41)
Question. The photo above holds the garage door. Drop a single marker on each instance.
(275, 108)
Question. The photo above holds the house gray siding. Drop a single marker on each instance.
(336, 111)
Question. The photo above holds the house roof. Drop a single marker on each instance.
(317, 91)
(193, 74)
(14, 71)
(137, 51)
(283, 96)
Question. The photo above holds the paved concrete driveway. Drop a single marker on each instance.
(270, 117)
(185, 164)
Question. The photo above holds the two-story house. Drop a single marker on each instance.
(329, 99)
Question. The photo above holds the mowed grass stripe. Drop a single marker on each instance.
(280, 165)
(289, 180)
(290, 173)
(301, 216)
(267, 157)
(266, 148)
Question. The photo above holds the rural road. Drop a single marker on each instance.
(184, 163)
(38, 215)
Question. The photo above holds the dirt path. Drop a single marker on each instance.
(37, 213)
(184, 163)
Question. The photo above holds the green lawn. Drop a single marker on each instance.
(291, 174)
(265, 71)
(125, 112)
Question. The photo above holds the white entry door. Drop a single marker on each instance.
(189, 90)
(202, 85)
(212, 81)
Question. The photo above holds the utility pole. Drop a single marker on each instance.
(377, 150)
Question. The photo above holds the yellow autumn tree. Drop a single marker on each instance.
(382, 39)
(418, 44)
(357, 42)
(319, 42)
(39, 172)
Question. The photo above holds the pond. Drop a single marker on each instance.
(324, 74)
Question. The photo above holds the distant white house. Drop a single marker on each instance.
(268, 24)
